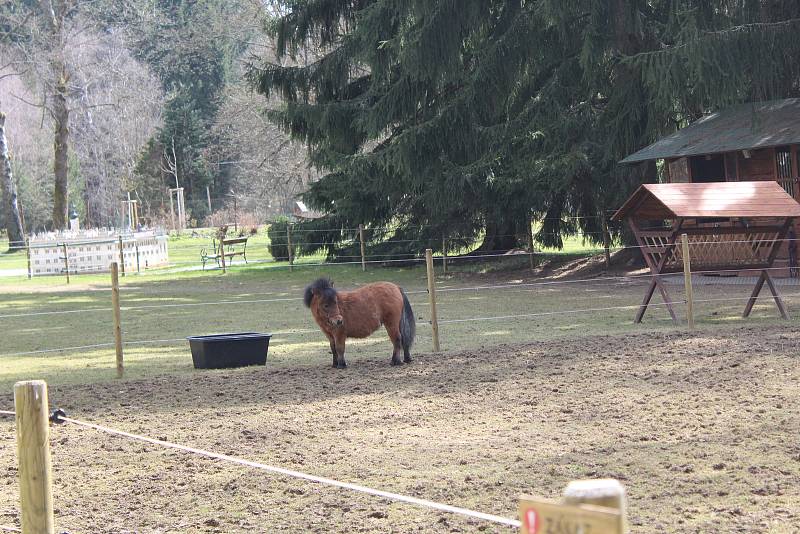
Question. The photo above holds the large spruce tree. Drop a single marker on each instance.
(466, 117)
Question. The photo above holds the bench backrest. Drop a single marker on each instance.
(235, 241)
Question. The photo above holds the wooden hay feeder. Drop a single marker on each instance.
(731, 226)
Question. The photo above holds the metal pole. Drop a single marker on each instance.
(432, 299)
(117, 318)
(33, 453)
(136, 245)
(687, 281)
(363, 256)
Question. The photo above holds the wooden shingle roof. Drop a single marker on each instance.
(746, 126)
(718, 199)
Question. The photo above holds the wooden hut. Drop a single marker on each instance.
(730, 227)
(749, 142)
(301, 212)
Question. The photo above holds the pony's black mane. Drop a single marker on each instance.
(320, 285)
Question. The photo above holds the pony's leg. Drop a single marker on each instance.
(333, 350)
(339, 348)
(406, 354)
(397, 345)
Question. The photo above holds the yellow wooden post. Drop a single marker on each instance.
(363, 254)
(222, 253)
(604, 492)
(289, 246)
(122, 256)
(66, 261)
(687, 281)
(432, 299)
(530, 245)
(33, 453)
(596, 506)
(28, 253)
(444, 254)
(117, 318)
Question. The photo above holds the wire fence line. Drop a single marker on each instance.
(392, 496)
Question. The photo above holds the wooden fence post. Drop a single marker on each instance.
(66, 261)
(606, 492)
(122, 256)
(432, 299)
(28, 253)
(444, 254)
(222, 253)
(33, 453)
(530, 245)
(136, 244)
(117, 319)
(289, 246)
(596, 506)
(687, 281)
(606, 243)
(363, 254)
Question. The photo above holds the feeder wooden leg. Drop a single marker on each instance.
(778, 300)
(647, 296)
(756, 290)
(655, 282)
(667, 301)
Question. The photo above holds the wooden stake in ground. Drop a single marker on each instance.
(432, 299)
(66, 261)
(222, 251)
(606, 243)
(444, 254)
(595, 506)
(361, 239)
(117, 318)
(33, 452)
(122, 256)
(289, 246)
(28, 253)
(530, 245)
(687, 281)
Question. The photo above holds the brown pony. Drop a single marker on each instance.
(358, 313)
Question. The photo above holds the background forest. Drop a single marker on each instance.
(416, 118)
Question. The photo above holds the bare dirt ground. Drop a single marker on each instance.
(702, 429)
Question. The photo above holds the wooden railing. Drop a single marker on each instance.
(789, 185)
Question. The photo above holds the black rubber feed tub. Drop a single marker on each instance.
(220, 351)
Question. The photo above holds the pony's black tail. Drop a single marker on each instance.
(408, 324)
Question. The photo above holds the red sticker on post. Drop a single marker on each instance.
(532, 520)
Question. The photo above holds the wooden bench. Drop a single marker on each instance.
(230, 247)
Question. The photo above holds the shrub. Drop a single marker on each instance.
(278, 245)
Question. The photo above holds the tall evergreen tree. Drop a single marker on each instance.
(469, 116)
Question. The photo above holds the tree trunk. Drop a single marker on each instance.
(501, 236)
(54, 14)
(16, 235)
(61, 149)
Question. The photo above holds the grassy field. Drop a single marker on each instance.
(542, 380)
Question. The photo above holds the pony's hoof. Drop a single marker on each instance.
(406, 360)
(342, 365)
(396, 362)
